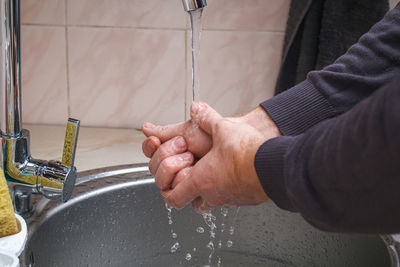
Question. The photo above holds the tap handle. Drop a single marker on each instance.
(71, 139)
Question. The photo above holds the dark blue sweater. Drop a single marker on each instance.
(338, 163)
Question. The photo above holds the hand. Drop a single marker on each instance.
(198, 142)
(226, 174)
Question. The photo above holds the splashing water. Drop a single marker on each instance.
(210, 219)
(169, 214)
(175, 247)
(188, 257)
(174, 235)
(200, 230)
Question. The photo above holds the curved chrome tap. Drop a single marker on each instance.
(26, 175)
(190, 5)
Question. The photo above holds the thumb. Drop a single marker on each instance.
(205, 116)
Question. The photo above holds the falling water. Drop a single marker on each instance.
(195, 19)
(209, 218)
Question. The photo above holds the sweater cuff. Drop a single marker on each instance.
(298, 109)
(269, 164)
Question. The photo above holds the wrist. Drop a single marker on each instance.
(259, 119)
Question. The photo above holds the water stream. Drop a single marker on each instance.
(226, 227)
(195, 20)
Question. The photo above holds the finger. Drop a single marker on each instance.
(150, 145)
(183, 193)
(170, 148)
(164, 133)
(169, 167)
(205, 116)
(181, 176)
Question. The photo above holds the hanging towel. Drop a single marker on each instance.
(319, 31)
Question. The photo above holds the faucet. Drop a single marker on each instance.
(191, 5)
(26, 175)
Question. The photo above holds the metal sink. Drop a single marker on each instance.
(116, 217)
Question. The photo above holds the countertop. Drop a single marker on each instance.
(97, 147)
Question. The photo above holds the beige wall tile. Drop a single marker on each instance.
(238, 70)
(44, 83)
(263, 15)
(124, 77)
(137, 13)
(43, 11)
(393, 3)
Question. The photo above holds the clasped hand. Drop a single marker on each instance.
(208, 160)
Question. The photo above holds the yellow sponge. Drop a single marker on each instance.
(8, 223)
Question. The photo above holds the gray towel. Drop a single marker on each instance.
(319, 31)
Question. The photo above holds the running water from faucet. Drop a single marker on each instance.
(195, 20)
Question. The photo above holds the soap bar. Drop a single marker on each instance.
(9, 225)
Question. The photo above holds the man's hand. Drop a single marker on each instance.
(197, 141)
(226, 174)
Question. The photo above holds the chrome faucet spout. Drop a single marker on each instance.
(191, 5)
(26, 175)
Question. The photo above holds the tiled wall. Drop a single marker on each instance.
(119, 63)
(393, 3)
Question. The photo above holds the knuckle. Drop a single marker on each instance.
(163, 152)
(166, 166)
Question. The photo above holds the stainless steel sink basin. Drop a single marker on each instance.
(117, 218)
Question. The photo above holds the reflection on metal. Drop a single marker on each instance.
(190, 5)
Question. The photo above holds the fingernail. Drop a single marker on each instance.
(179, 143)
(185, 157)
(148, 125)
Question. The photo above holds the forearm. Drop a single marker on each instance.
(343, 174)
(367, 65)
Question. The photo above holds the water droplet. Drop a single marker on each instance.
(231, 230)
(167, 206)
(210, 245)
(188, 257)
(194, 249)
(200, 230)
(220, 244)
(175, 247)
(229, 243)
(174, 235)
(224, 211)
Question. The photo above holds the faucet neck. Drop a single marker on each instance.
(191, 5)
(10, 69)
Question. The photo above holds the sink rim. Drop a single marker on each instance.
(45, 208)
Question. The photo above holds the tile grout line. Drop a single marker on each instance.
(153, 28)
(67, 59)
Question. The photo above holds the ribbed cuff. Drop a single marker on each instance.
(298, 109)
(269, 163)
